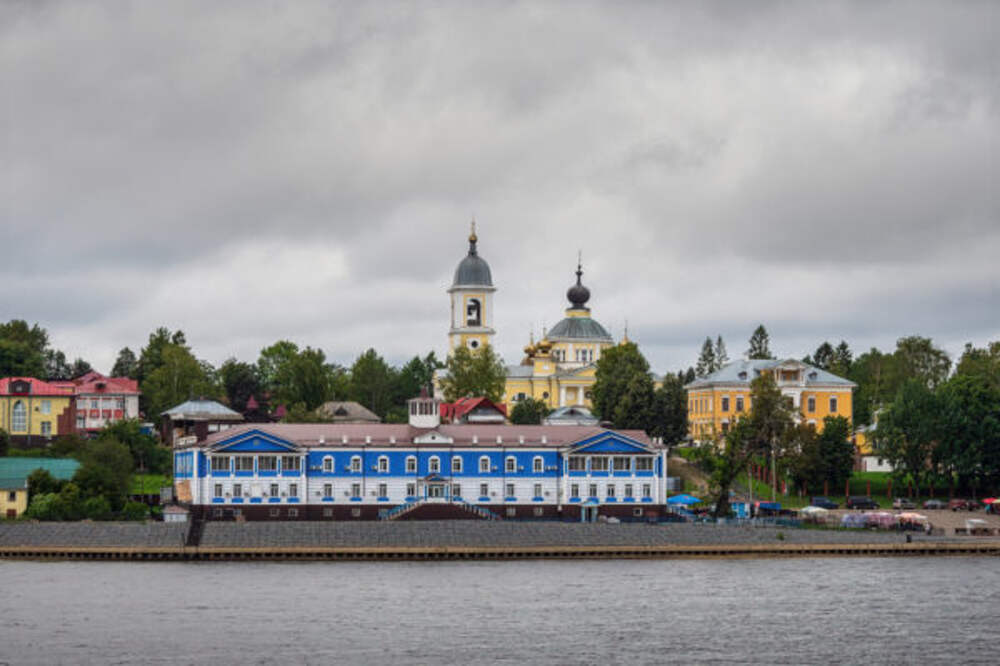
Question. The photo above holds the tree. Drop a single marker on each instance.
(836, 451)
(147, 454)
(805, 460)
(690, 375)
(151, 356)
(615, 370)
(22, 349)
(298, 413)
(760, 344)
(909, 430)
(706, 360)
(41, 482)
(478, 372)
(372, 382)
(178, 377)
(126, 365)
(80, 368)
(106, 469)
(823, 356)
(417, 374)
(670, 420)
(873, 372)
(918, 358)
(271, 359)
(97, 508)
(239, 381)
(56, 367)
(978, 362)
(635, 408)
(721, 357)
(969, 448)
(840, 362)
(529, 412)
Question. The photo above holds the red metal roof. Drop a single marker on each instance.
(38, 387)
(95, 382)
(462, 406)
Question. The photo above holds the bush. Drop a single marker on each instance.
(135, 511)
(97, 508)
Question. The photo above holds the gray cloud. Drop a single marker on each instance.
(250, 171)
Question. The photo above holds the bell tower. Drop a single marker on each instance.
(471, 301)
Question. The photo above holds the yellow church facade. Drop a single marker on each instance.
(715, 402)
(560, 368)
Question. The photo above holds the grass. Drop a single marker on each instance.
(149, 484)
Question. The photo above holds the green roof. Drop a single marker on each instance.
(14, 472)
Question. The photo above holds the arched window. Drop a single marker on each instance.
(383, 464)
(328, 464)
(355, 463)
(19, 418)
(484, 464)
(510, 464)
(456, 464)
(434, 465)
(537, 466)
(411, 464)
(473, 312)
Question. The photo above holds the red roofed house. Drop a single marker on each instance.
(34, 411)
(473, 410)
(102, 400)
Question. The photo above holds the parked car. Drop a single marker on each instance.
(935, 504)
(823, 503)
(861, 502)
(963, 505)
(903, 503)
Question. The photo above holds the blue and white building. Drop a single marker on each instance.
(422, 469)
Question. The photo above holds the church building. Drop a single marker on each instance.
(560, 368)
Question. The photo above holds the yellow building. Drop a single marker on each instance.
(14, 473)
(33, 409)
(716, 401)
(471, 295)
(560, 369)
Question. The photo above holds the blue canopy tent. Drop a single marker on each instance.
(683, 499)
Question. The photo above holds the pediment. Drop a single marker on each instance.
(433, 437)
(255, 441)
(610, 442)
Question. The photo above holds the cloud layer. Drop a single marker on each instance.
(256, 171)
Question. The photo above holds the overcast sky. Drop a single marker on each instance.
(252, 171)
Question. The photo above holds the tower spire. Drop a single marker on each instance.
(472, 237)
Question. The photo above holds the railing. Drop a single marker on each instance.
(399, 510)
(480, 511)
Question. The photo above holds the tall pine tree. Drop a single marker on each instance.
(760, 344)
(706, 361)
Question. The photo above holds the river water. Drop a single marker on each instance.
(799, 611)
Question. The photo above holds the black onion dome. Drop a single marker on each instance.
(473, 269)
(578, 295)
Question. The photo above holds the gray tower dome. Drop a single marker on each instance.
(473, 269)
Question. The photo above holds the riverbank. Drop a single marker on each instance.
(451, 540)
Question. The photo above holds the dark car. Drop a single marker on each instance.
(963, 505)
(903, 503)
(823, 503)
(861, 502)
(935, 504)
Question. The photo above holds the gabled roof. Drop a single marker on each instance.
(347, 411)
(611, 442)
(254, 441)
(463, 406)
(95, 382)
(745, 371)
(38, 387)
(202, 410)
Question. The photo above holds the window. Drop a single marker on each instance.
(19, 418)
(290, 463)
(456, 490)
(510, 490)
(538, 511)
(355, 490)
(574, 490)
(46, 406)
(434, 464)
(411, 489)
(383, 464)
(484, 489)
(218, 490)
(511, 512)
(293, 490)
(725, 403)
(739, 403)
(623, 464)
(274, 513)
(47, 428)
(647, 490)
(328, 513)
(383, 490)
(274, 490)
(610, 490)
(637, 512)
(473, 312)
(592, 490)
(598, 464)
(81, 421)
(411, 464)
(577, 463)
(244, 463)
(811, 404)
(628, 490)
(484, 465)
(12, 496)
(537, 465)
(538, 490)
(644, 464)
(95, 403)
(293, 513)
(510, 464)
(456, 464)
(328, 490)
(237, 490)
(520, 396)
(328, 464)
(833, 404)
(267, 463)
(355, 463)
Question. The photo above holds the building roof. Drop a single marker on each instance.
(579, 328)
(473, 271)
(402, 435)
(745, 371)
(95, 382)
(465, 406)
(14, 472)
(202, 410)
(347, 412)
(522, 371)
(572, 415)
(38, 387)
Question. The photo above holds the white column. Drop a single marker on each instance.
(562, 396)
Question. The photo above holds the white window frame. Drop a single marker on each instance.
(411, 464)
(510, 490)
(383, 464)
(355, 490)
(484, 464)
(578, 463)
(434, 465)
(510, 464)
(456, 464)
(328, 464)
(383, 490)
(599, 464)
(274, 463)
(411, 489)
(19, 417)
(239, 463)
(355, 463)
(327, 490)
(592, 490)
(629, 490)
(643, 463)
(610, 490)
(46, 428)
(537, 465)
(537, 490)
(456, 490)
(290, 464)
(833, 404)
(237, 490)
(217, 490)
(484, 490)
(274, 490)
(293, 490)
(574, 490)
(46, 406)
(647, 490)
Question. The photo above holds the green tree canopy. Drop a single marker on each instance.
(126, 365)
(477, 373)
(706, 360)
(23, 349)
(105, 469)
(178, 377)
(623, 390)
(373, 382)
(670, 421)
(721, 356)
(529, 412)
(240, 381)
(909, 429)
(760, 344)
(981, 362)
